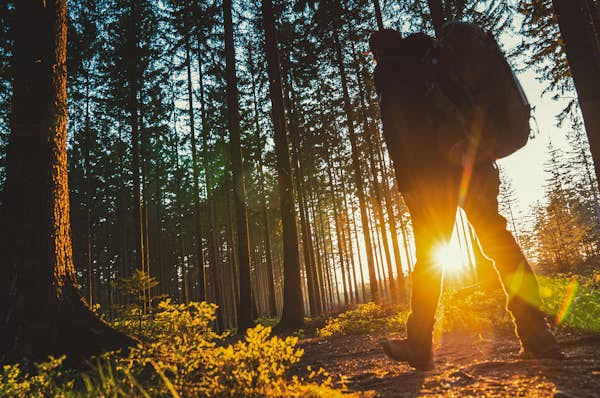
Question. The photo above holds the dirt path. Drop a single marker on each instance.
(465, 366)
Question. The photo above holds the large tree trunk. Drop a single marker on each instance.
(293, 307)
(42, 311)
(237, 173)
(581, 42)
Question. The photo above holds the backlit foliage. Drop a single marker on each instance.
(181, 357)
(569, 302)
(572, 301)
(365, 318)
(473, 310)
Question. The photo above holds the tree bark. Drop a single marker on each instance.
(583, 54)
(237, 174)
(42, 310)
(358, 178)
(197, 224)
(378, 16)
(293, 305)
(438, 18)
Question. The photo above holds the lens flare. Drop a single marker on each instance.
(565, 307)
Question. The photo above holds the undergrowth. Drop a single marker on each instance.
(182, 356)
(573, 301)
(364, 319)
(570, 302)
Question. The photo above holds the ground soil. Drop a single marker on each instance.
(465, 366)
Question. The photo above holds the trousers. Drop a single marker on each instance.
(432, 201)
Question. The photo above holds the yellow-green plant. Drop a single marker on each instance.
(473, 310)
(364, 319)
(181, 356)
(46, 382)
(571, 301)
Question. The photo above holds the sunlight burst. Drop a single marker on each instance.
(449, 257)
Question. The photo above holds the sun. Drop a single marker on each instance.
(449, 257)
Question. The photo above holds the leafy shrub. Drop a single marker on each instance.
(272, 322)
(364, 319)
(473, 310)
(45, 383)
(573, 301)
(182, 357)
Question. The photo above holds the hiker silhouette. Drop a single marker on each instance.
(450, 107)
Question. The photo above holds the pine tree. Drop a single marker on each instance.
(293, 307)
(54, 319)
(581, 38)
(237, 174)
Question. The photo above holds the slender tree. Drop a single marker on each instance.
(244, 317)
(293, 305)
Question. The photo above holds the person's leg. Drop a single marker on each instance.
(433, 214)
(518, 279)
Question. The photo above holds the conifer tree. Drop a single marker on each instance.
(42, 309)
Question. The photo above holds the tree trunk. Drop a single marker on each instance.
(582, 47)
(358, 178)
(133, 105)
(378, 16)
(272, 305)
(237, 174)
(370, 132)
(197, 224)
(88, 194)
(438, 18)
(310, 257)
(42, 311)
(213, 258)
(338, 229)
(293, 305)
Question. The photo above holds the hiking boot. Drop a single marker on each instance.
(540, 344)
(548, 351)
(401, 350)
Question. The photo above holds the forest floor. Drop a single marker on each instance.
(465, 366)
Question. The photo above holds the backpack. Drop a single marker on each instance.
(460, 87)
(420, 120)
(473, 60)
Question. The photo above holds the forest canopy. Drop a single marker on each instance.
(149, 146)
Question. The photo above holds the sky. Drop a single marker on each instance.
(526, 166)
